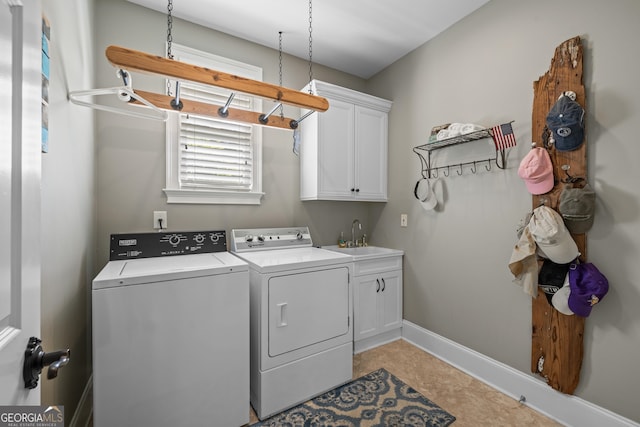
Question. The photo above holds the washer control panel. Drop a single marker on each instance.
(255, 239)
(148, 245)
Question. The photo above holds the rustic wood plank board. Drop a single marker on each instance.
(557, 339)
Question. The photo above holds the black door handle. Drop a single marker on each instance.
(35, 359)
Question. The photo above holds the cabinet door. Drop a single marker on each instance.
(390, 301)
(336, 151)
(365, 306)
(371, 135)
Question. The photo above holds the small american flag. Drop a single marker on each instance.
(503, 136)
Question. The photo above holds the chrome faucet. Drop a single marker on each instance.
(354, 241)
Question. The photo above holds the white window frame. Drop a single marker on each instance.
(174, 193)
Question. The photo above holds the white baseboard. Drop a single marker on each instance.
(535, 393)
(377, 340)
(82, 416)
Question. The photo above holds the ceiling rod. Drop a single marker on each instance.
(133, 60)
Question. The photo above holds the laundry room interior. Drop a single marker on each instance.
(105, 173)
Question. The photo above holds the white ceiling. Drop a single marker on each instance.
(360, 37)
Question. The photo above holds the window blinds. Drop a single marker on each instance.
(215, 154)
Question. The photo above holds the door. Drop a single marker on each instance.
(365, 309)
(307, 308)
(391, 301)
(371, 153)
(20, 115)
(336, 152)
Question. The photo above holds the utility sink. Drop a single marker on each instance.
(365, 252)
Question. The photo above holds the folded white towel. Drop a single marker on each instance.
(469, 127)
(443, 134)
(454, 129)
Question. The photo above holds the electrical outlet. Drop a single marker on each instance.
(403, 220)
(159, 220)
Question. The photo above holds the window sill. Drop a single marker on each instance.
(207, 197)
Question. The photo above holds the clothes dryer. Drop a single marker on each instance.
(301, 321)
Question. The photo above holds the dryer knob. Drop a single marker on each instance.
(261, 238)
(299, 235)
(248, 238)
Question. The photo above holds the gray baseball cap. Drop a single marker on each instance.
(577, 207)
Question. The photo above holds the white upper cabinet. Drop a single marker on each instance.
(343, 151)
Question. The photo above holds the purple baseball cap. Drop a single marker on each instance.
(588, 287)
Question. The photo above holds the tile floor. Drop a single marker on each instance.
(471, 401)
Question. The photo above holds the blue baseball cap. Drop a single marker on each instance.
(566, 123)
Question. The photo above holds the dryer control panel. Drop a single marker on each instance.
(148, 245)
(255, 239)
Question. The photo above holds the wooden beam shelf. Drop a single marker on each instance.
(133, 60)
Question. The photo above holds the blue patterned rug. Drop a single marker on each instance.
(377, 399)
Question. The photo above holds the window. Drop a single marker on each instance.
(210, 160)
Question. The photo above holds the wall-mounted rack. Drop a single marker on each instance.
(428, 170)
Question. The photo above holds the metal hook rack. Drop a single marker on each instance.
(428, 170)
(570, 179)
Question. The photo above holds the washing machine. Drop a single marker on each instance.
(301, 321)
(171, 332)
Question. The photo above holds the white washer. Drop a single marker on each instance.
(301, 325)
(171, 333)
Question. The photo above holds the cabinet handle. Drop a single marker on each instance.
(378, 282)
(384, 285)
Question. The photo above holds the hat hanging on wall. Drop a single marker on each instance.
(536, 170)
(552, 277)
(577, 207)
(551, 236)
(566, 122)
(423, 191)
(560, 300)
(588, 287)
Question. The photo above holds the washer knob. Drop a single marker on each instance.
(199, 238)
(299, 235)
(261, 238)
(248, 238)
(215, 237)
(174, 239)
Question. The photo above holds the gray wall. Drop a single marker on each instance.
(68, 203)
(456, 280)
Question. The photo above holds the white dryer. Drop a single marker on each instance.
(301, 322)
(171, 332)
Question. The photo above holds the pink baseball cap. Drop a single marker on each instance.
(537, 171)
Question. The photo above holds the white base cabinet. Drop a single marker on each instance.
(343, 151)
(377, 309)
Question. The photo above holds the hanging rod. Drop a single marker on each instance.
(125, 94)
(195, 107)
(133, 60)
